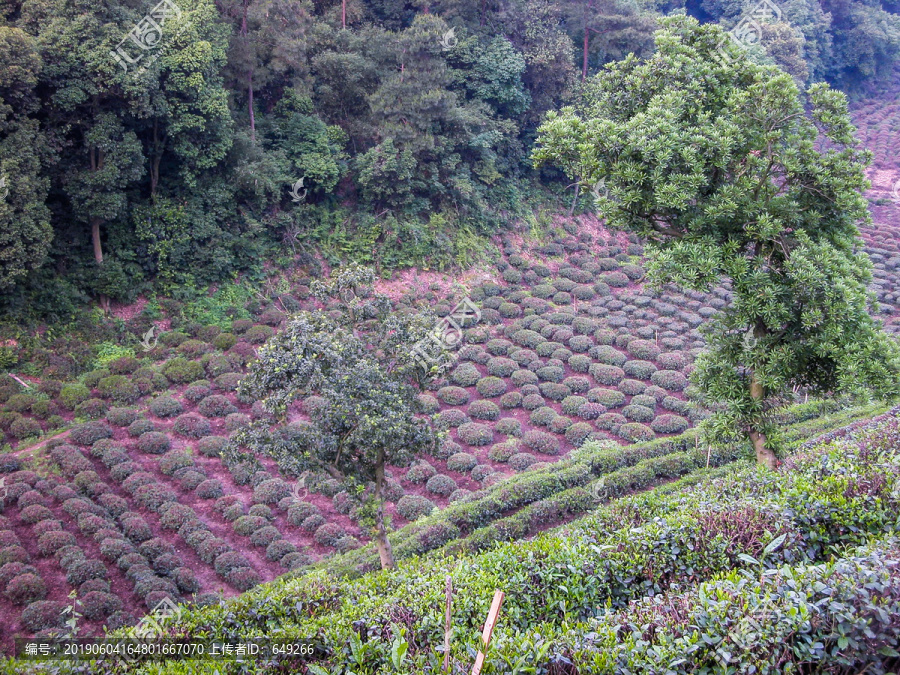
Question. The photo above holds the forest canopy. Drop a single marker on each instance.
(392, 134)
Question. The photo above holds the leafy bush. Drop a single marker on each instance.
(121, 417)
(555, 392)
(522, 461)
(216, 406)
(211, 446)
(473, 433)
(465, 375)
(89, 432)
(605, 374)
(140, 427)
(209, 489)
(192, 425)
(670, 380)
(635, 432)
(511, 399)
(73, 394)
(462, 462)
(579, 432)
(533, 401)
(24, 427)
(491, 386)
(541, 441)
(632, 387)
(638, 413)
(181, 371)
(265, 536)
(639, 369)
(421, 472)
(523, 377)
(508, 426)
(543, 416)
(165, 406)
(271, 491)
(25, 589)
(483, 410)
(413, 507)
(41, 615)
(453, 395)
(153, 443)
(669, 424)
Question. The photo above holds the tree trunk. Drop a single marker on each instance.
(574, 199)
(584, 60)
(764, 455)
(95, 239)
(385, 553)
(343, 13)
(250, 97)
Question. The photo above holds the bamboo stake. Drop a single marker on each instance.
(493, 613)
(448, 628)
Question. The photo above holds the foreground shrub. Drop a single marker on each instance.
(541, 441)
(89, 432)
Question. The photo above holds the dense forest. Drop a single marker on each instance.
(261, 132)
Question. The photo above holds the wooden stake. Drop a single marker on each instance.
(448, 628)
(493, 613)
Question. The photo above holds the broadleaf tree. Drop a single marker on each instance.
(359, 365)
(727, 174)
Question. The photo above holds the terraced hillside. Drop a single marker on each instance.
(707, 560)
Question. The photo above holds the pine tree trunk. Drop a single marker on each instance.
(385, 553)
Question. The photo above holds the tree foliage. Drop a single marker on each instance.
(722, 169)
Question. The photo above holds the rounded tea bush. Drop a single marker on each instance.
(211, 446)
(670, 380)
(216, 405)
(610, 421)
(631, 387)
(501, 452)
(153, 443)
(533, 401)
(541, 441)
(555, 392)
(265, 536)
(271, 491)
(139, 427)
(421, 472)
(669, 424)
(643, 400)
(89, 433)
(121, 417)
(543, 416)
(465, 375)
(522, 461)
(453, 395)
(413, 507)
(606, 374)
(491, 386)
(500, 366)
(209, 489)
(165, 406)
(578, 433)
(279, 548)
(638, 413)
(559, 424)
(25, 589)
(474, 433)
(606, 397)
(484, 410)
(425, 403)
(522, 377)
(635, 432)
(441, 485)
(73, 394)
(43, 614)
(511, 399)
(508, 426)
(640, 370)
(462, 462)
(192, 426)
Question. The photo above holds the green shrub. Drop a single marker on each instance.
(490, 387)
(500, 366)
(533, 401)
(465, 375)
(640, 370)
(541, 441)
(473, 433)
(543, 416)
(413, 507)
(578, 433)
(153, 442)
(192, 426)
(216, 406)
(42, 615)
(555, 392)
(121, 417)
(510, 400)
(670, 380)
(427, 404)
(638, 413)
(635, 432)
(118, 388)
(453, 395)
(522, 461)
(73, 394)
(181, 371)
(441, 485)
(669, 424)
(483, 410)
(211, 446)
(165, 406)
(140, 426)
(421, 472)
(25, 427)
(25, 589)
(462, 462)
(89, 432)
(632, 387)
(605, 374)
(522, 377)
